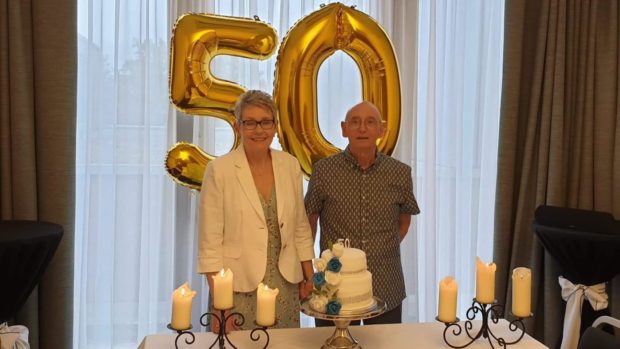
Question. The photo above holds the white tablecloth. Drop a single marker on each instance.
(420, 335)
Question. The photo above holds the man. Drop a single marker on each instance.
(367, 197)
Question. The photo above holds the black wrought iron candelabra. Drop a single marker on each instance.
(222, 318)
(207, 319)
(180, 333)
(491, 313)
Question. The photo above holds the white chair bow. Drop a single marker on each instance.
(13, 337)
(574, 296)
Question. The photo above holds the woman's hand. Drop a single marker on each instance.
(305, 289)
(306, 286)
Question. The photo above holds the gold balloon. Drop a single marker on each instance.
(196, 40)
(186, 163)
(308, 43)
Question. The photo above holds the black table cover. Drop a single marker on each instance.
(586, 244)
(26, 248)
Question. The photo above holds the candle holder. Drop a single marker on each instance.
(181, 333)
(222, 336)
(490, 312)
(221, 319)
(255, 334)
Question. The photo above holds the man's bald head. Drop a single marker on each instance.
(363, 109)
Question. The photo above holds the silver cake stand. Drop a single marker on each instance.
(342, 338)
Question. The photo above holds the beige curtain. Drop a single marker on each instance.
(38, 53)
(559, 136)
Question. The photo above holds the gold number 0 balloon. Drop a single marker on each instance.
(196, 40)
(305, 47)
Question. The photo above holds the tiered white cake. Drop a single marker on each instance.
(350, 287)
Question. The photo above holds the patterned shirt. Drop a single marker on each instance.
(364, 206)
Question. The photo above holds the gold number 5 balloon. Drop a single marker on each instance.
(196, 40)
(194, 90)
(305, 47)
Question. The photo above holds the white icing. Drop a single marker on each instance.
(355, 291)
(353, 260)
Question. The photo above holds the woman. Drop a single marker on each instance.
(252, 218)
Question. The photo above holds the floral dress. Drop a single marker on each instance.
(287, 302)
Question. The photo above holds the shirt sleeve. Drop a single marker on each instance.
(314, 196)
(409, 204)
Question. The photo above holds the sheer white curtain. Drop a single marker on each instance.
(459, 83)
(125, 209)
(136, 230)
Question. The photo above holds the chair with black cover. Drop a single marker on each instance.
(585, 244)
(596, 338)
(26, 248)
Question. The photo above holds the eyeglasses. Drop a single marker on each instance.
(264, 124)
(370, 123)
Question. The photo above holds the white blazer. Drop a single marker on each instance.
(232, 231)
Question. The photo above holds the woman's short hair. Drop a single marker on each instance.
(256, 98)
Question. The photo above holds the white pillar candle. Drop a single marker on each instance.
(485, 281)
(182, 307)
(448, 291)
(521, 292)
(223, 290)
(266, 305)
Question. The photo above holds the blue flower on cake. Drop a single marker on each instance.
(318, 279)
(334, 265)
(333, 307)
